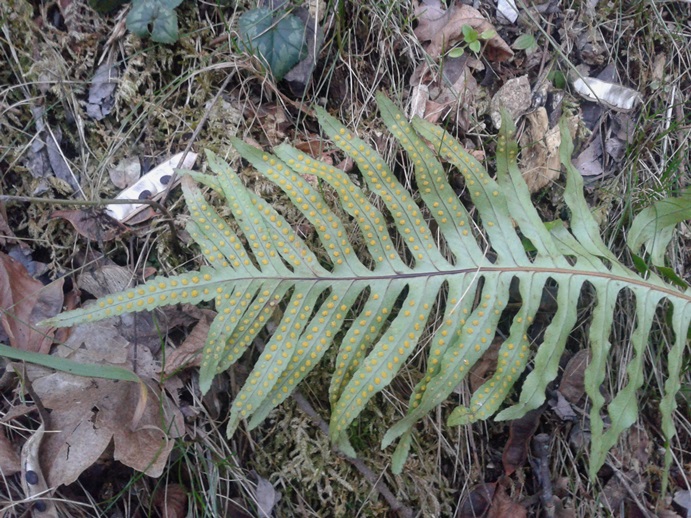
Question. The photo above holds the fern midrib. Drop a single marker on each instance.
(476, 270)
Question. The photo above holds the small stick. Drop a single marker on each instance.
(541, 467)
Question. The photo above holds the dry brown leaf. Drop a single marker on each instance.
(87, 413)
(126, 173)
(266, 497)
(515, 96)
(504, 507)
(485, 367)
(443, 28)
(91, 224)
(563, 511)
(24, 301)
(620, 488)
(171, 501)
(107, 278)
(540, 163)
(187, 355)
(520, 434)
(640, 446)
(274, 123)
(478, 501)
(572, 385)
(314, 147)
(589, 161)
(562, 408)
(9, 458)
(435, 97)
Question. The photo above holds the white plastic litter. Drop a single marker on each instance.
(149, 186)
(613, 96)
(508, 9)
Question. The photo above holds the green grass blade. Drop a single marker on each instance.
(87, 370)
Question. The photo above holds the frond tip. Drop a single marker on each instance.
(376, 310)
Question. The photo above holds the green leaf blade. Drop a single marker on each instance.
(314, 342)
(449, 213)
(546, 362)
(192, 288)
(277, 36)
(653, 227)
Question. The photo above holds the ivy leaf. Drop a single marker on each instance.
(276, 36)
(154, 18)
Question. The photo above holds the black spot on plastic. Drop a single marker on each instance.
(145, 194)
(32, 477)
(165, 179)
(40, 506)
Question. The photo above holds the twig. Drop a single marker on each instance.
(541, 467)
(379, 486)
(94, 203)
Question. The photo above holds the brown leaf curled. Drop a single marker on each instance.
(443, 28)
(24, 301)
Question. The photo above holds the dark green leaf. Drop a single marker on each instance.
(276, 36)
(558, 79)
(154, 18)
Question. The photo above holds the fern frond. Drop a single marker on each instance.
(377, 307)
